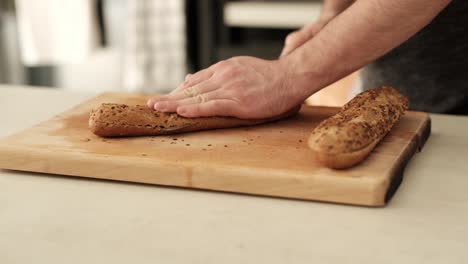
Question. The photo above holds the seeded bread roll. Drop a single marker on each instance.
(114, 120)
(348, 137)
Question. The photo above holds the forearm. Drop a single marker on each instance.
(362, 33)
(330, 9)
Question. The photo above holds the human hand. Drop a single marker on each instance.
(243, 87)
(295, 39)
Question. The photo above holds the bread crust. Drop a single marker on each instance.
(348, 137)
(117, 120)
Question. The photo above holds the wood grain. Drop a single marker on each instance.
(271, 159)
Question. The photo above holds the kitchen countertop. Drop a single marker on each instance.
(55, 219)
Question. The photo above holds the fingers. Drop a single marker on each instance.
(200, 93)
(170, 102)
(205, 104)
(293, 41)
(190, 80)
(298, 38)
(182, 85)
(194, 79)
(172, 106)
(150, 103)
(219, 107)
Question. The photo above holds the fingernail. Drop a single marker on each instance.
(160, 106)
(181, 111)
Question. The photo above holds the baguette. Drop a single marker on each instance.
(115, 120)
(348, 137)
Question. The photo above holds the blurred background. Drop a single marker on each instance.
(144, 46)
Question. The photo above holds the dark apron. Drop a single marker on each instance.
(431, 68)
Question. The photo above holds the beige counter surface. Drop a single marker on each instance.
(54, 219)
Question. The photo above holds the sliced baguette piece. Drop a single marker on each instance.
(117, 120)
(348, 137)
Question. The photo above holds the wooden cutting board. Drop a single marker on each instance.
(271, 159)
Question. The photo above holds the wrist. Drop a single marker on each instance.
(300, 78)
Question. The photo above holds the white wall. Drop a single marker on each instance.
(102, 71)
(11, 70)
